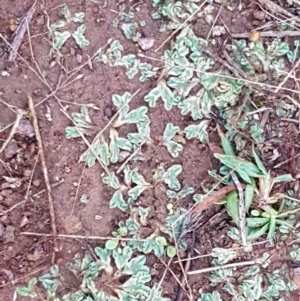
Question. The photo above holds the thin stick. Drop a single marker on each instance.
(184, 275)
(31, 176)
(46, 176)
(77, 190)
(210, 254)
(265, 34)
(242, 210)
(19, 35)
(173, 274)
(81, 236)
(288, 76)
(275, 8)
(226, 266)
(182, 25)
(7, 127)
(164, 274)
(33, 196)
(9, 106)
(129, 158)
(213, 25)
(20, 114)
(115, 116)
(258, 111)
(22, 277)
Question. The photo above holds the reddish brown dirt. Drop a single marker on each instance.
(21, 255)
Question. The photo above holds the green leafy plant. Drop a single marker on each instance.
(114, 265)
(109, 153)
(135, 184)
(28, 291)
(266, 222)
(173, 147)
(260, 222)
(256, 56)
(133, 65)
(82, 121)
(169, 176)
(61, 37)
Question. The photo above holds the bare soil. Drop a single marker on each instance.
(23, 256)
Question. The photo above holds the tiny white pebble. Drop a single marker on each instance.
(5, 74)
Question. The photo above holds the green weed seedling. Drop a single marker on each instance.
(116, 264)
(60, 37)
(173, 147)
(133, 65)
(255, 56)
(131, 229)
(83, 122)
(109, 152)
(135, 184)
(260, 222)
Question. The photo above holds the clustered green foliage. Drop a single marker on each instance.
(133, 65)
(252, 285)
(188, 83)
(113, 265)
(263, 218)
(60, 37)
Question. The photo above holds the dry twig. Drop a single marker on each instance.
(81, 236)
(270, 5)
(265, 34)
(225, 266)
(242, 209)
(288, 76)
(20, 114)
(33, 196)
(19, 34)
(46, 175)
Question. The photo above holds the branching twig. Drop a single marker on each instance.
(46, 175)
(275, 8)
(214, 23)
(20, 114)
(288, 76)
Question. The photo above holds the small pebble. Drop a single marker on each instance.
(9, 235)
(259, 15)
(26, 129)
(79, 58)
(72, 224)
(72, 51)
(179, 139)
(36, 182)
(108, 112)
(5, 74)
(27, 173)
(13, 27)
(1, 230)
(40, 20)
(67, 169)
(123, 156)
(24, 221)
(6, 192)
(146, 43)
